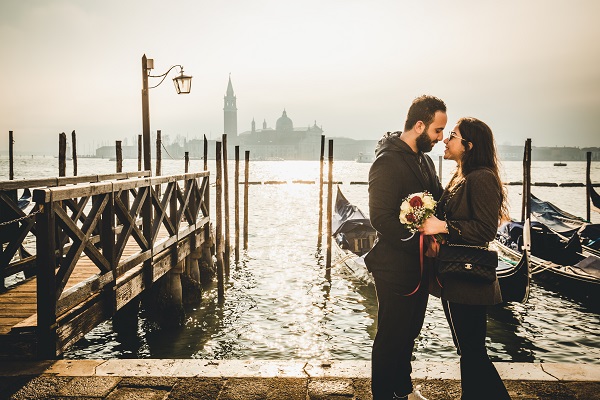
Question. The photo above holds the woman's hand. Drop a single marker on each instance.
(433, 225)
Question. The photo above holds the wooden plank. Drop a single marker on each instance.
(51, 182)
(83, 290)
(28, 324)
(80, 321)
(6, 323)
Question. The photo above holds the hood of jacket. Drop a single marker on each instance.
(391, 142)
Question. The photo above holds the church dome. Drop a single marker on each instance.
(284, 124)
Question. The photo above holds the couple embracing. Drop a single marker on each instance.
(467, 213)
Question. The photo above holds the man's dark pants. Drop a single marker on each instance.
(399, 321)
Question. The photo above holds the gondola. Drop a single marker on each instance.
(25, 199)
(567, 226)
(354, 236)
(557, 262)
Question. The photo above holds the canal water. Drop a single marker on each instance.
(280, 306)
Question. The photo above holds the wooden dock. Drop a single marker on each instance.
(100, 241)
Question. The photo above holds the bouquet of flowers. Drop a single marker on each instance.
(415, 209)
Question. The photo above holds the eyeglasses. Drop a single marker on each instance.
(454, 135)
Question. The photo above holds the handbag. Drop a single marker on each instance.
(471, 263)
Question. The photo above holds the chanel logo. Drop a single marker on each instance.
(468, 266)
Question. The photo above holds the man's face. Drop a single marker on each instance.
(432, 133)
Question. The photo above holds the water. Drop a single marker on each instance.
(280, 306)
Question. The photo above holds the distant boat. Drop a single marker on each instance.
(560, 164)
(365, 158)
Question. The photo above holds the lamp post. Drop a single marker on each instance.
(183, 85)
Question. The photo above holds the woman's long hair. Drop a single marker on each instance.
(482, 154)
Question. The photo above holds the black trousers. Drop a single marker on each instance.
(479, 378)
(399, 321)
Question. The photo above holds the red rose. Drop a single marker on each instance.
(410, 217)
(416, 202)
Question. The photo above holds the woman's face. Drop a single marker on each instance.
(455, 145)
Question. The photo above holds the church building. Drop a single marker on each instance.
(283, 142)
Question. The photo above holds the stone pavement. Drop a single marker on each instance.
(253, 380)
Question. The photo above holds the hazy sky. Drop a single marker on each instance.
(529, 68)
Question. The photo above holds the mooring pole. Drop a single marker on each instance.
(329, 211)
(139, 152)
(187, 161)
(205, 154)
(62, 150)
(588, 186)
(528, 181)
(119, 156)
(246, 175)
(227, 255)
(219, 224)
(158, 153)
(237, 203)
(321, 162)
(158, 160)
(74, 151)
(11, 159)
(524, 184)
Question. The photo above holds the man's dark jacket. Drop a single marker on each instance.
(396, 173)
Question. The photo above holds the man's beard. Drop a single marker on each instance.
(424, 142)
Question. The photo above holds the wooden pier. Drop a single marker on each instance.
(99, 241)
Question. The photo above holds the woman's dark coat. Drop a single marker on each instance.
(471, 212)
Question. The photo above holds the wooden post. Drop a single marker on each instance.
(11, 159)
(158, 161)
(524, 184)
(139, 152)
(187, 161)
(227, 255)
(146, 114)
(440, 168)
(62, 158)
(588, 186)
(119, 155)
(237, 203)
(74, 151)
(158, 153)
(527, 192)
(321, 162)
(246, 176)
(329, 211)
(107, 235)
(46, 282)
(219, 226)
(205, 154)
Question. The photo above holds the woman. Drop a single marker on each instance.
(468, 212)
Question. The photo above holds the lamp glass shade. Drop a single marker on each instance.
(183, 84)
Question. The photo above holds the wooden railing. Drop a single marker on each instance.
(17, 225)
(128, 233)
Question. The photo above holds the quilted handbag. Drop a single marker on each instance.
(471, 263)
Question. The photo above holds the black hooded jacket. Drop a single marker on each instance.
(396, 173)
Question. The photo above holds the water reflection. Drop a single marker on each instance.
(503, 330)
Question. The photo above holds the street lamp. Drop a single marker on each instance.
(183, 85)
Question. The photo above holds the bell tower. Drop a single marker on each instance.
(230, 112)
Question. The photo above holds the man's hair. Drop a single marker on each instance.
(423, 108)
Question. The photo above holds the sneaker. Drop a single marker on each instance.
(416, 394)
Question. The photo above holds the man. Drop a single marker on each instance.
(400, 169)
